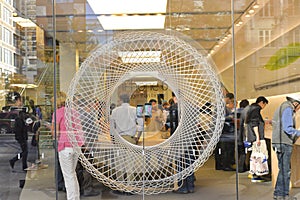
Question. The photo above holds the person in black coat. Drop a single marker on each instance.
(21, 136)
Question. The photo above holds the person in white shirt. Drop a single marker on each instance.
(124, 120)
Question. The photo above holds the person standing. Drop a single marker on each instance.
(124, 120)
(244, 105)
(256, 126)
(66, 154)
(173, 113)
(156, 122)
(284, 136)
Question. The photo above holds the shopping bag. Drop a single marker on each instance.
(259, 164)
(259, 159)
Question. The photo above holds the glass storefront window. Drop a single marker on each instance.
(253, 46)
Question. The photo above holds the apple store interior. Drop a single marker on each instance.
(140, 99)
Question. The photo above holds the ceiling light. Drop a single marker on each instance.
(140, 56)
(256, 6)
(251, 11)
(145, 83)
(132, 22)
(247, 15)
(24, 85)
(132, 7)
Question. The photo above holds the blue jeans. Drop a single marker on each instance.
(187, 184)
(283, 152)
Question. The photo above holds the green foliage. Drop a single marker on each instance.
(284, 57)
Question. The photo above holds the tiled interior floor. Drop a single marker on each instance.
(210, 183)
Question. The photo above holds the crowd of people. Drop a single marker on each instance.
(248, 120)
(253, 148)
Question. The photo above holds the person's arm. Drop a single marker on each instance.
(255, 129)
(288, 123)
(18, 129)
(57, 130)
(255, 118)
(53, 127)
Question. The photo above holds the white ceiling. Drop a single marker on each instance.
(207, 22)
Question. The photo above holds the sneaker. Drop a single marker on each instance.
(257, 180)
(284, 198)
(250, 176)
(180, 191)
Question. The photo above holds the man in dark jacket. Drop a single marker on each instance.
(21, 136)
(255, 125)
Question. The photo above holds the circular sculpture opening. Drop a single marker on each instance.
(179, 67)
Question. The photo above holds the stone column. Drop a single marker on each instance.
(68, 65)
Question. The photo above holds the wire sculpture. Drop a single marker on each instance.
(176, 61)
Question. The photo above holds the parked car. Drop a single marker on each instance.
(7, 121)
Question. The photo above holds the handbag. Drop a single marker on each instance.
(259, 159)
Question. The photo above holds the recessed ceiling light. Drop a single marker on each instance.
(132, 22)
(140, 56)
(251, 11)
(256, 6)
(133, 7)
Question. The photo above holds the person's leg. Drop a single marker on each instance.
(24, 154)
(182, 187)
(228, 158)
(183, 163)
(241, 158)
(286, 168)
(13, 160)
(68, 162)
(60, 178)
(79, 173)
(283, 178)
(190, 180)
(87, 184)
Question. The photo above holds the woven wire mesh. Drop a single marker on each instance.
(153, 169)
